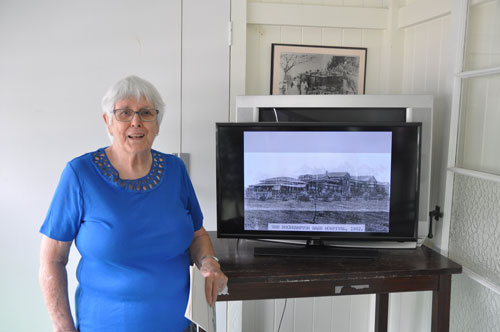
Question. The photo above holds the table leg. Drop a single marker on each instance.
(441, 305)
(381, 312)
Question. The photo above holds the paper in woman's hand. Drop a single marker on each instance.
(198, 310)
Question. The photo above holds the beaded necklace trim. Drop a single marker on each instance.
(143, 184)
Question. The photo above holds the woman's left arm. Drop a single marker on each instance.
(202, 252)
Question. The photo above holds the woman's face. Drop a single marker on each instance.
(135, 136)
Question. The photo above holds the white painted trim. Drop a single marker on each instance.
(458, 30)
(480, 279)
(475, 174)
(409, 101)
(424, 10)
(479, 72)
(316, 16)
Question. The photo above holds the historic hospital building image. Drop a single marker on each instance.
(330, 186)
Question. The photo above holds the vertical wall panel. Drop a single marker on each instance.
(304, 314)
(311, 36)
(352, 37)
(258, 73)
(395, 311)
(284, 308)
(483, 35)
(291, 35)
(420, 60)
(480, 115)
(248, 320)
(253, 60)
(323, 314)
(445, 53)
(372, 40)
(264, 316)
(433, 53)
(471, 123)
(425, 64)
(490, 155)
(269, 34)
(426, 61)
(341, 313)
(332, 36)
(409, 47)
(360, 313)
(417, 308)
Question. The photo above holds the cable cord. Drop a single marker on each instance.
(275, 114)
(282, 314)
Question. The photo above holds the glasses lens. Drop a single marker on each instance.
(124, 115)
(147, 115)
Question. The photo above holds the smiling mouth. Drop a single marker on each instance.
(135, 136)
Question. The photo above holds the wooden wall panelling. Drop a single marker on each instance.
(331, 36)
(303, 315)
(322, 314)
(342, 313)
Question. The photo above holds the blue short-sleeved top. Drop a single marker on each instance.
(133, 237)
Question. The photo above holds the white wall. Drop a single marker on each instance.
(57, 58)
(205, 93)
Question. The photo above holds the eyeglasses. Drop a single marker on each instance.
(126, 115)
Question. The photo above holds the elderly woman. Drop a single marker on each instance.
(136, 222)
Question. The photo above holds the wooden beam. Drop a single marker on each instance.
(316, 16)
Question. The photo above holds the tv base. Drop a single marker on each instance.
(316, 251)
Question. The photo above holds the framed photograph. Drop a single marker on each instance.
(317, 70)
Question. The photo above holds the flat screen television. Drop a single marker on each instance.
(318, 181)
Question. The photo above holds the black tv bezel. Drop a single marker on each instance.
(224, 231)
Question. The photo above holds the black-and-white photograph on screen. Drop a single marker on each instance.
(317, 70)
(317, 181)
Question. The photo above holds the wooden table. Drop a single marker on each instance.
(394, 270)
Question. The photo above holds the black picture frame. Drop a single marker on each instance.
(317, 70)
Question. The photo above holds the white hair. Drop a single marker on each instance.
(132, 86)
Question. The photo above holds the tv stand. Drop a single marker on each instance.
(315, 248)
(266, 277)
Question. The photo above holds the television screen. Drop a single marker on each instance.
(318, 180)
